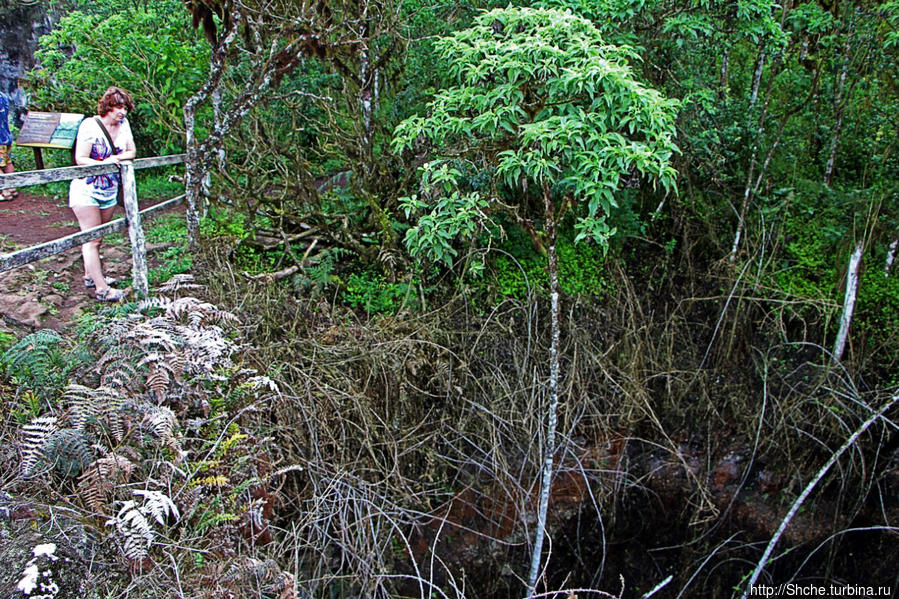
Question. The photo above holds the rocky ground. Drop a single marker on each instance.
(50, 293)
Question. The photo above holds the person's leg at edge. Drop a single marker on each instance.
(88, 218)
(8, 168)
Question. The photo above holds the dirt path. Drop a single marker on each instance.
(50, 293)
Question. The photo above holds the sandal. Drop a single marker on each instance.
(6, 196)
(89, 282)
(110, 295)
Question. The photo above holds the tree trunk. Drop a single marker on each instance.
(757, 80)
(849, 300)
(195, 166)
(366, 100)
(891, 255)
(751, 588)
(549, 449)
(748, 190)
(844, 71)
(722, 82)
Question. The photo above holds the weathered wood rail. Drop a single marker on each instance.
(132, 220)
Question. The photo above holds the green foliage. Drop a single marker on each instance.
(374, 294)
(816, 224)
(255, 259)
(452, 216)
(175, 260)
(320, 273)
(152, 184)
(224, 222)
(40, 363)
(564, 110)
(6, 340)
(520, 269)
(148, 48)
(877, 315)
(167, 228)
(67, 452)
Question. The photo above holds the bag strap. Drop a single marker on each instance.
(106, 133)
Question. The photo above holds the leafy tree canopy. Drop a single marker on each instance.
(147, 48)
(549, 107)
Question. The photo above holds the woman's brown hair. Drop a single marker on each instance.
(113, 98)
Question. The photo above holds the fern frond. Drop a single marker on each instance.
(150, 337)
(158, 505)
(253, 571)
(91, 404)
(135, 529)
(160, 373)
(206, 349)
(161, 421)
(121, 375)
(179, 282)
(255, 514)
(158, 381)
(257, 383)
(111, 334)
(198, 312)
(38, 361)
(101, 478)
(36, 434)
(32, 351)
(217, 480)
(178, 362)
(115, 367)
(68, 452)
(157, 302)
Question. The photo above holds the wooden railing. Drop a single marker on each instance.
(132, 218)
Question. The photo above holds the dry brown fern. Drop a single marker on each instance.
(179, 282)
(99, 480)
(198, 313)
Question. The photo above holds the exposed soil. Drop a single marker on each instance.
(50, 293)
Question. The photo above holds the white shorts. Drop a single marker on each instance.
(83, 194)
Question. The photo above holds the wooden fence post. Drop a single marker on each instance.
(135, 230)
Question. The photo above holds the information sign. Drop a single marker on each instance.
(49, 130)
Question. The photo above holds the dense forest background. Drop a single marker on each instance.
(567, 298)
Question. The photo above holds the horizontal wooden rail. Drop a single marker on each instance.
(132, 218)
(34, 253)
(67, 173)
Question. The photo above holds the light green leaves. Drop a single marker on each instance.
(452, 214)
(546, 104)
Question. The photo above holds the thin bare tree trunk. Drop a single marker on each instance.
(766, 556)
(849, 300)
(891, 255)
(747, 191)
(753, 98)
(757, 80)
(552, 409)
(722, 82)
(366, 99)
(841, 86)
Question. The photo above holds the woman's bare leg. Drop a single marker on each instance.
(88, 218)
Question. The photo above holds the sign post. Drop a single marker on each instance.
(48, 130)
